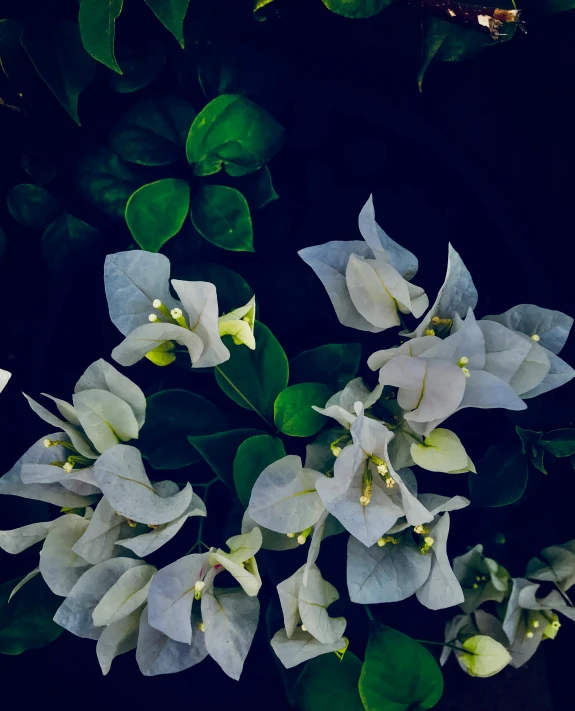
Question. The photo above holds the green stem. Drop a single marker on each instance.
(369, 613)
(199, 543)
(459, 648)
(244, 398)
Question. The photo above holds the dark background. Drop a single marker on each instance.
(483, 158)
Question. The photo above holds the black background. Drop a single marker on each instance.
(483, 158)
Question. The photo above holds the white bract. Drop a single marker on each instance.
(138, 291)
(368, 282)
(341, 406)
(240, 562)
(555, 564)
(239, 324)
(442, 451)
(481, 578)
(4, 378)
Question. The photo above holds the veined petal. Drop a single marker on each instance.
(442, 452)
(552, 327)
(559, 373)
(369, 293)
(149, 336)
(505, 350)
(118, 638)
(19, 539)
(127, 594)
(441, 589)
(485, 390)
(313, 601)
(105, 418)
(60, 567)
(301, 647)
(4, 378)
(98, 542)
(415, 347)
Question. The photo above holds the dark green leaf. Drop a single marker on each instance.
(501, 477)
(530, 446)
(171, 13)
(222, 216)
(219, 450)
(140, 67)
(559, 443)
(356, 8)
(232, 289)
(97, 20)
(257, 188)
(26, 621)
(252, 457)
(60, 59)
(253, 379)
(172, 415)
(398, 673)
(70, 243)
(104, 181)
(334, 364)
(153, 131)
(293, 413)
(328, 684)
(33, 206)
(233, 132)
(156, 212)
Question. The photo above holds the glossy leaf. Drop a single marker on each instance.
(328, 684)
(140, 66)
(334, 364)
(253, 379)
(559, 443)
(252, 457)
(293, 412)
(222, 216)
(501, 477)
(220, 449)
(171, 416)
(156, 212)
(33, 206)
(70, 243)
(26, 621)
(358, 9)
(531, 447)
(97, 20)
(398, 673)
(234, 133)
(153, 131)
(60, 59)
(171, 13)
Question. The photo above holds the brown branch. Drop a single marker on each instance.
(479, 17)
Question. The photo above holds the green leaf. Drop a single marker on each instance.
(219, 450)
(559, 443)
(253, 379)
(33, 206)
(293, 413)
(334, 364)
(501, 477)
(258, 188)
(232, 289)
(156, 212)
(252, 457)
(97, 20)
(140, 67)
(326, 684)
(69, 244)
(26, 621)
(153, 131)
(172, 415)
(105, 182)
(233, 132)
(357, 9)
(398, 673)
(171, 13)
(60, 59)
(222, 216)
(530, 446)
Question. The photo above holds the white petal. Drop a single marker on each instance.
(559, 374)
(65, 409)
(329, 262)
(385, 574)
(415, 347)
(442, 452)
(120, 474)
(151, 335)
(441, 589)
(60, 567)
(345, 418)
(300, 647)
(313, 601)
(288, 593)
(132, 281)
(552, 327)
(119, 638)
(271, 540)
(4, 378)
(357, 391)
(487, 391)
(103, 376)
(19, 539)
(505, 350)
(126, 595)
(250, 583)
(105, 527)
(105, 418)
(284, 498)
(369, 294)
(532, 371)
(315, 544)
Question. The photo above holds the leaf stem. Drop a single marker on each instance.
(459, 648)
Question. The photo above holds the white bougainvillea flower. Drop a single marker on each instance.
(118, 638)
(481, 578)
(4, 378)
(398, 566)
(125, 596)
(121, 476)
(141, 307)
(442, 451)
(40, 457)
(301, 647)
(60, 567)
(172, 594)
(529, 620)
(240, 562)
(19, 539)
(555, 564)
(239, 324)
(446, 378)
(368, 282)
(75, 614)
(484, 656)
(545, 332)
(341, 406)
(230, 618)
(157, 653)
(284, 498)
(457, 295)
